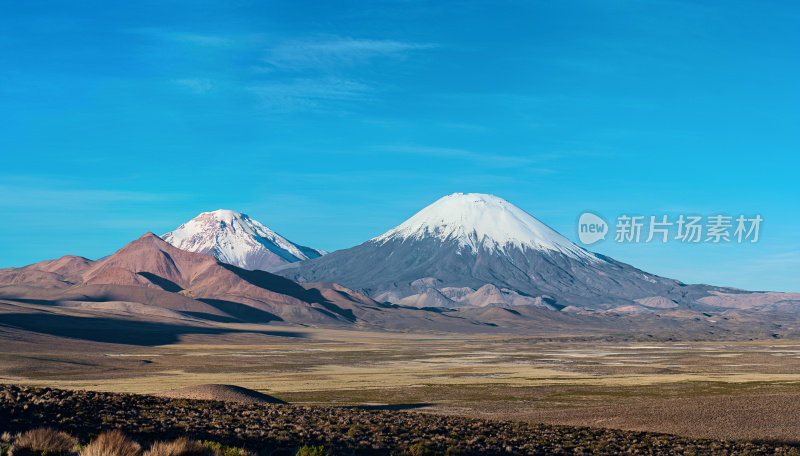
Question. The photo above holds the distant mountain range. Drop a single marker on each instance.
(149, 279)
(468, 262)
(236, 239)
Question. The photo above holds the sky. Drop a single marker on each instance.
(332, 122)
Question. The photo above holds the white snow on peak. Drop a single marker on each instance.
(478, 220)
(236, 239)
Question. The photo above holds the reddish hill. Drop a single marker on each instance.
(59, 273)
(192, 283)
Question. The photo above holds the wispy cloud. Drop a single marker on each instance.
(778, 260)
(203, 40)
(62, 198)
(307, 93)
(487, 159)
(199, 39)
(32, 193)
(322, 74)
(196, 85)
(336, 51)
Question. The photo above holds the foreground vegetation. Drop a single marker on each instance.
(51, 442)
(104, 424)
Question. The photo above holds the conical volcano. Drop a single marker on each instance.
(481, 250)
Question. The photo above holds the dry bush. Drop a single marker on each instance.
(5, 441)
(179, 447)
(306, 450)
(223, 450)
(42, 442)
(112, 443)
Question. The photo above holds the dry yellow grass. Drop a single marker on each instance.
(42, 442)
(454, 371)
(112, 443)
(179, 447)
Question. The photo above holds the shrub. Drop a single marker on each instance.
(112, 443)
(306, 450)
(180, 447)
(5, 441)
(222, 450)
(42, 442)
(419, 449)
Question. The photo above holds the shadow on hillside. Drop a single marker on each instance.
(240, 312)
(274, 283)
(165, 284)
(116, 331)
(282, 285)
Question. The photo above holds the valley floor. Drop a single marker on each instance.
(720, 389)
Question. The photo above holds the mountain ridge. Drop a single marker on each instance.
(178, 280)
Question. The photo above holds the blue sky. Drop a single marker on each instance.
(332, 122)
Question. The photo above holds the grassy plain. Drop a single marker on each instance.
(730, 390)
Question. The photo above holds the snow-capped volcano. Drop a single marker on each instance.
(476, 220)
(480, 250)
(236, 239)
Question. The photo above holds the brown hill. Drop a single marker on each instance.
(226, 393)
(59, 273)
(152, 272)
(151, 262)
